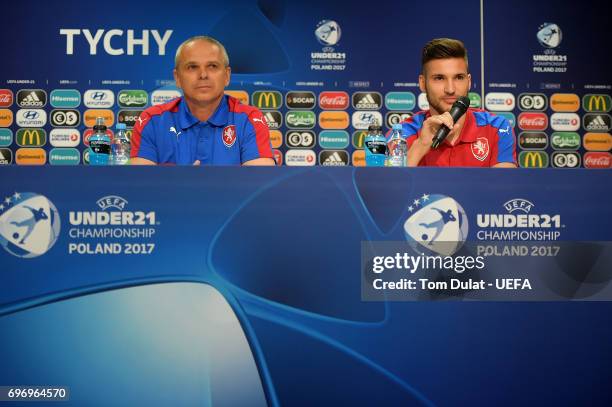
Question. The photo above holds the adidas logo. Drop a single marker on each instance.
(4, 159)
(597, 123)
(271, 121)
(367, 102)
(334, 160)
(31, 100)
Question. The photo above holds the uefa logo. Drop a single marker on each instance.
(437, 225)
(328, 33)
(29, 224)
(549, 35)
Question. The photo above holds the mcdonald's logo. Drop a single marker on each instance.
(597, 103)
(241, 95)
(358, 138)
(267, 99)
(533, 159)
(276, 138)
(31, 137)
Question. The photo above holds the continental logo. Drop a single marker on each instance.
(334, 120)
(6, 97)
(533, 159)
(30, 156)
(90, 116)
(358, 138)
(597, 142)
(31, 137)
(564, 102)
(358, 158)
(597, 103)
(276, 138)
(267, 99)
(6, 117)
(241, 95)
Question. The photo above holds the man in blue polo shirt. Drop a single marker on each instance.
(204, 126)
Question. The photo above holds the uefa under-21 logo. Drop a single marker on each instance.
(549, 35)
(29, 224)
(437, 225)
(328, 32)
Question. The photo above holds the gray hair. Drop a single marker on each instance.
(201, 38)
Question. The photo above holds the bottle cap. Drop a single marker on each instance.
(121, 126)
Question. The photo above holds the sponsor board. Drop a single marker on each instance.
(31, 137)
(564, 102)
(241, 95)
(132, 98)
(274, 119)
(6, 156)
(333, 100)
(533, 159)
(276, 138)
(475, 100)
(31, 98)
(64, 156)
(500, 101)
(65, 98)
(267, 99)
(565, 141)
(300, 100)
(565, 121)
(90, 116)
(129, 117)
(6, 98)
(64, 137)
(597, 141)
(358, 158)
(532, 121)
(6, 137)
(392, 118)
(533, 140)
(423, 102)
(362, 120)
(358, 138)
(333, 139)
(367, 100)
(400, 101)
(6, 117)
(31, 118)
(532, 101)
(565, 159)
(597, 103)
(300, 139)
(300, 119)
(598, 160)
(65, 118)
(300, 158)
(333, 120)
(30, 156)
(333, 158)
(597, 122)
(161, 96)
(98, 98)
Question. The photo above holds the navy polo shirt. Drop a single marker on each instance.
(170, 134)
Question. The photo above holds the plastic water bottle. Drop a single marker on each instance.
(99, 144)
(397, 150)
(120, 149)
(375, 146)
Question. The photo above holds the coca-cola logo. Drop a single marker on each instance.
(598, 160)
(334, 100)
(533, 121)
(6, 98)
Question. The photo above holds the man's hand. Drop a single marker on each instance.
(422, 144)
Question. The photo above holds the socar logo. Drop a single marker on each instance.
(328, 32)
(29, 224)
(549, 35)
(437, 225)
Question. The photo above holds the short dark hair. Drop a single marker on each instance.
(441, 48)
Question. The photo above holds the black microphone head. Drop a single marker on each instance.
(462, 103)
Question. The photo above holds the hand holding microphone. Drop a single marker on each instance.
(457, 110)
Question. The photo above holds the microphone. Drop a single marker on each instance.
(457, 110)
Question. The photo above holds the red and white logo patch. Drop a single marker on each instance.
(480, 148)
(229, 135)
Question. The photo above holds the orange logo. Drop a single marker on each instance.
(276, 138)
(597, 141)
(564, 102)
(334, 120)
(241, 95)
(31, 156)
(6, 117)
(89, 118)
(359, 158)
